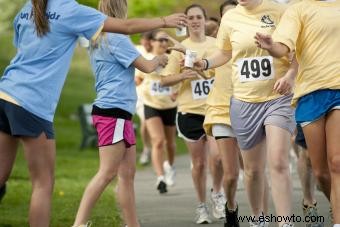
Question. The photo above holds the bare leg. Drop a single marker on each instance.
(278, 146)
(126, 192)
(316, 143)
(215, 165)
(230, 159)
(254, 161)
(156, 131)
(8, 151)
(333, 151)
(145, 136)
(110, 159)
(170, 135)
(199, 160)
(40, 156)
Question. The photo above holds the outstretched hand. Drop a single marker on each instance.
(177, 45)
(176, 20)
(263, 41)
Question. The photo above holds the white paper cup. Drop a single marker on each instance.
(190, 58)
(181, 31)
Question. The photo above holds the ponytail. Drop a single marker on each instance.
(40, 19)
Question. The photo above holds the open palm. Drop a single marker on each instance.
(263, 41)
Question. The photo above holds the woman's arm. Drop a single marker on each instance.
(219, 58)
(275, 49)
(148, 66)
(132, 26)
(175, 79)
(285, 85)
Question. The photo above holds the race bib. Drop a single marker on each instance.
(201, 88)
(256, 69)
(157, 89)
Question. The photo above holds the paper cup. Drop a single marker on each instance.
(181, 31)
(190, 58)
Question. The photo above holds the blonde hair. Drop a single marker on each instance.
(111, 8)
(114, 8)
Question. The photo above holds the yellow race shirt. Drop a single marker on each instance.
(254, 71)
(154, 95)
(192, 93)
(312, 29)
(218, 101)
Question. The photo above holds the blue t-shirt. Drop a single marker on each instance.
(37, 73)
(112, 65)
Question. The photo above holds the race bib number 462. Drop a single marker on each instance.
(256, 69)
(201, 88)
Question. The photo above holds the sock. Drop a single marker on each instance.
(160, 178)
(336, 225)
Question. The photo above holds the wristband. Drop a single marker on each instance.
(206, 64)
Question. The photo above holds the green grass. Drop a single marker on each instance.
(74, 168)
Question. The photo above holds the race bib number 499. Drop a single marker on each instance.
(256, 69)
(201, 88)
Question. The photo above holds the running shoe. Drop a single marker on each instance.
(231, 217)
(202, 214)
(218, 204)
(170, 173)
(2, 191)
(312, 213)
(161, 187)
(144, 158)
(259, 224)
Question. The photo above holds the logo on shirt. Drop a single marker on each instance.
(268, 21)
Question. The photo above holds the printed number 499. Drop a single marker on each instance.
(256, 68)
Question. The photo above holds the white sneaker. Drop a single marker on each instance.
(202, 214)
(144, 158)
(258, 224)
(170, 173)
(288, 225)
(218, 204)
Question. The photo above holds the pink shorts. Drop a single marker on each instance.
(113, 130)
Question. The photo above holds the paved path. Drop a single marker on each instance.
(177, 208)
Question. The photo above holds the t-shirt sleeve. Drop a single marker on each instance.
(125, 52)
(288, 30)
(85, 21)
(173, 67)
(223, 35)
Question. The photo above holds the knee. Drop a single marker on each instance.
(158, 143)
(253, 173)
(280, 167)
(199, 165)
(334, 164)
(322, 176)
(107, 176)
(127, 174)
(230, 178)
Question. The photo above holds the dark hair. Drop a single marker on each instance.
(196, 6)
(39, 17)
(154, 33)
(214, 19)
(147, 35)
(227, 3)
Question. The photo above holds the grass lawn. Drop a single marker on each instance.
(74, 168)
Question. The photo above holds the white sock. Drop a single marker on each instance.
(336, 225)
(160, 178)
